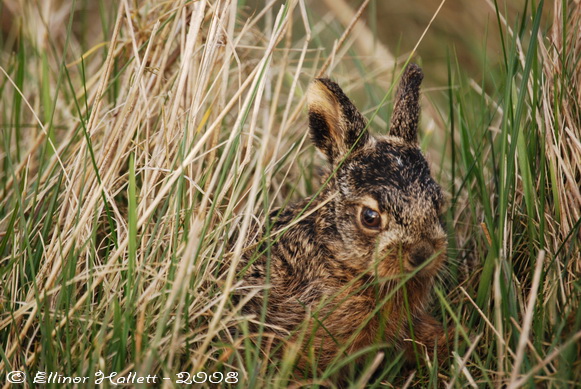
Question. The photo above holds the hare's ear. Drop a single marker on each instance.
(406, 111)
(335, 124)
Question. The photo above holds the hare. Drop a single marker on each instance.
(336, 262)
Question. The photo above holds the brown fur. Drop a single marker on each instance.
(330, 273)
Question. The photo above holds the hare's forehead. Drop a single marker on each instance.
(388, 169)
(397, 165)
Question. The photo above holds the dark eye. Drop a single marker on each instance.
(370, 218)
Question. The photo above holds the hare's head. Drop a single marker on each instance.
(386, 205)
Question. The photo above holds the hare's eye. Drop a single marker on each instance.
(370, 218)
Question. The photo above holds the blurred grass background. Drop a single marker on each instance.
(138, 137)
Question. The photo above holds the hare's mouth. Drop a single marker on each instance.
(394, 265)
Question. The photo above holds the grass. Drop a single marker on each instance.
(138, 138)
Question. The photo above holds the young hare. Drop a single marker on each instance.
(337, 262)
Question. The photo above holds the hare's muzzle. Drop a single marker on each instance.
(420, 253)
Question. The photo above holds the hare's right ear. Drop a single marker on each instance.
(335, 124)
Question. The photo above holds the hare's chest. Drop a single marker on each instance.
(362, 322)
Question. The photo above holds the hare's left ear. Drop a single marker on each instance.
(406, 110)
(335, 124)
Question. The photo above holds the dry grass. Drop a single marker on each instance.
(134, 151)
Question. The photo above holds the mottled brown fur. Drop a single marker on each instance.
(325, 268)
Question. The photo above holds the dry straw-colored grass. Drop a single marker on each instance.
(208, 105)
(139, 157)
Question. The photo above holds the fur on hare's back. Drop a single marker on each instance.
(334, 265)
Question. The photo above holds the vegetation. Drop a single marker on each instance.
(137, 139)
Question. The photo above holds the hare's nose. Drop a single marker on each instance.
(420, 253)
